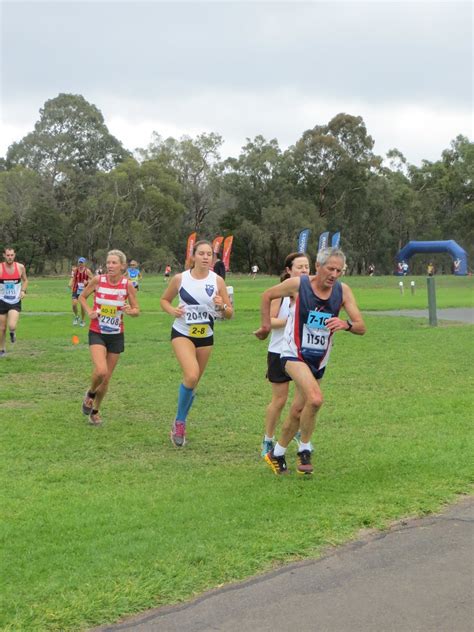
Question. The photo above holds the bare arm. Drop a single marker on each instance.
(276, 323)
(222, 298)
(350, 306)
(169, 294)
(24, 280)
(289, 287)
(132, 308)
(90, 287)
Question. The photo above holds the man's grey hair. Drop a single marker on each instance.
(327, 253)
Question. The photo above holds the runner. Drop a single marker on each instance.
(167, 272)
(13, 284)
(201, 292)
(134, 274)
(296, 264)
(114, 297)
(312, 322)
(80, 277)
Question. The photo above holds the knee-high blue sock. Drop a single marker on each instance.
(185, 398)
(191, 402)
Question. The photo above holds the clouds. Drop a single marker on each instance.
(244, 68)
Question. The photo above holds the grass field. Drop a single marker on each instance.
(102, 522)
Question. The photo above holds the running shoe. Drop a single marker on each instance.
(277, 463)
(304, 462)
(94, 418)
(75, 321)
(178, 434)
(12, 337)
(267, 446)
(82, 324)
(3, 353)
(87, 404)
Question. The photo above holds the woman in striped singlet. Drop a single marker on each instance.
(201, 293)
(114, 296)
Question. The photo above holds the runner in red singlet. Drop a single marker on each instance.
(114, 296)
(80, 277)
(13, 284)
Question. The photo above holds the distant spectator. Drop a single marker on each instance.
(430, 270)
(254, 270)
(371, 269)
(404, 268)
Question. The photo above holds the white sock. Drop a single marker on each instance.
(279, 450)
(304, 446)
(267, 438)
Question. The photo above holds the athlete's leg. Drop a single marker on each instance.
(12, 321)
(74, 307)
(274, 408)
(202, 355)
(101, 389)
(185, 353)
(291, 424)
(99, 373)
(311, 397)
(3, 329)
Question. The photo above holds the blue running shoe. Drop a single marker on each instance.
(267, 446)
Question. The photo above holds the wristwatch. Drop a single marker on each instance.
(224, 307)
(349, 324)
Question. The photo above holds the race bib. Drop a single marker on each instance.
(315, 340)
(199, 331)
(80, 287)
(108, 310)
(109, 319)
(317, 320)
(196, 314)
(9, 289)
(315, 333)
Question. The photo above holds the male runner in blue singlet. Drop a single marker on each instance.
(313, 320)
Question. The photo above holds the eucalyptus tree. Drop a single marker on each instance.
(70, 136)
(136, 207)
(29, 219)
(197, 163)
(445, 189)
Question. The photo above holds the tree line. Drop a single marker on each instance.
(69, 188)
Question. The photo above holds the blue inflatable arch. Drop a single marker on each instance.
(458, 254)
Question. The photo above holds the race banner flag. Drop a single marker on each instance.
(226, 251)
(303, 240)
(323, 240)
(216, 244)
(336, 240)
(189, 250)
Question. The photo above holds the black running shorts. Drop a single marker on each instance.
(197, 342)
(6, 307)
(114, 343)
(275, 372)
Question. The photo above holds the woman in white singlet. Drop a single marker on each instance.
(296, 264)
(201, 293)
(114, 296)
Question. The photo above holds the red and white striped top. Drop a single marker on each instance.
(109, 301)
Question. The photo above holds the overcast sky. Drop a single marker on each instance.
(244, 68)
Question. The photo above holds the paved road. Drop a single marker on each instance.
(460, 314)
(416, 577)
